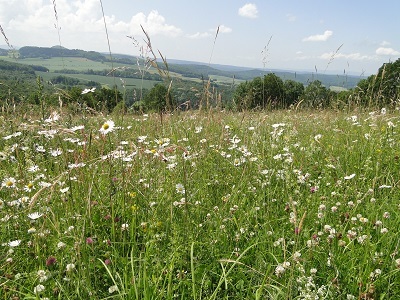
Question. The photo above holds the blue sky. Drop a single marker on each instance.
(339, 36)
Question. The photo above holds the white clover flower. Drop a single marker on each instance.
(113, 289)
(61, 245)
(42, 275)
(279, 270)
(70, 267)
(38, 289)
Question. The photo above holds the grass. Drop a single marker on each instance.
(217, 205)
(106, 81)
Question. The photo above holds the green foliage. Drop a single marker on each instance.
(381, 89)
(293, 91)
(316, 95)
(159, 99)
(267, 92)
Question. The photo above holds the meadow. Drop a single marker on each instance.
(200, 205)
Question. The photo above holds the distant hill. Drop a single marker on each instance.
(195, 70)
(57, 51)
(3, 52)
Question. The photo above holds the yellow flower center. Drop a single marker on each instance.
(106, 126)
(30, 185)
(9, 183)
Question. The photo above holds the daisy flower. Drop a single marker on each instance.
(107, 127)
(14, 243)
(29, 187)
(9, 182)
(35, 216)
(180, 188)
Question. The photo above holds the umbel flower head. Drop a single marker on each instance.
(107, 127)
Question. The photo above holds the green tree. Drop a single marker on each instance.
(316, 95)
(273, 92)
(293, 91)
(159, 99)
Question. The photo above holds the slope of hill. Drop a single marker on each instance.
(189, 70)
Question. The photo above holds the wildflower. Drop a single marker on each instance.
(89, 241)
(317, 137)
(35, 215)
(76, 128)
(349, 176)
(313, 271)
(384, 186)
(42, 275)
(279, 270)
(9, 182)
(85, 91)
(54, 116)
(29, 187)
(107, 127)
(32, 230)
(113, 289)
(56, 152)
(70, 267)
(124, 227)
(180, 188)
(51, 260)
(38, 289)
(60, 245)
(14, 243)
(397, 262)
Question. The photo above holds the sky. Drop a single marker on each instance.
(332, 37)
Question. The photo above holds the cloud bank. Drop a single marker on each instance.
(248, 10)
(319, 37)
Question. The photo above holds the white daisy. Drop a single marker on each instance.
(107, 127)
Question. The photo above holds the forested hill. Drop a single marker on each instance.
(44, 52)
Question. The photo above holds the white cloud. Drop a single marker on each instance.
(319, 37)
(386, 51)
(385, 43)
(248, 10)
(153, 23)
(349, 56)
(224, 29)
(200, 35)
(86, 17)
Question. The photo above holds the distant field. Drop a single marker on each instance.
(104, 80)
(57, 63)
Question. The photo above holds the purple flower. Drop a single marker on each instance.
(51, 260)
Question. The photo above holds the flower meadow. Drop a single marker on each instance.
(200, 205)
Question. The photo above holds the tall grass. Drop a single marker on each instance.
(259, 206)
